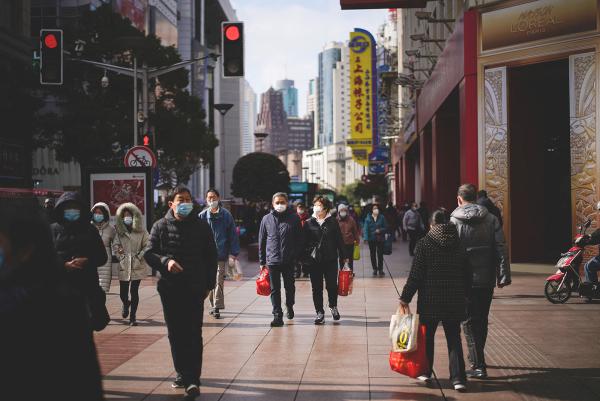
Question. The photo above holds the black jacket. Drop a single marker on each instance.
(332, 245)
(489, 205)
(482, 237)
(440, 274)
(78, 239)
(190, 243)
(279, 238)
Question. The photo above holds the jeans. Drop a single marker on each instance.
(413, 237)
(276, 273)
(455, 351)
(216, 298)
(591, 270)
(476, 325)
(349, 251)
(329, 272)
(376, 251)
(183, 308)
(135, 297)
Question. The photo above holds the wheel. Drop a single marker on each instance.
(555, 294)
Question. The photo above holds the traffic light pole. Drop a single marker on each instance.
(135, 103)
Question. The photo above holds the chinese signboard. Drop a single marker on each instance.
(362, 95)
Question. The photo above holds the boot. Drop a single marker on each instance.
(125, 311)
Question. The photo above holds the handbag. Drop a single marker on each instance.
(263, 283)
(387, 245)
(345, 282)
(99, 317)
(313, 257)
(412, 364)
(403, 332)
(356, 253)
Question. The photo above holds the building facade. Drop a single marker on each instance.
(290, 96)
(328, 59)
(300, 133)
(272, 120)
(248, 118)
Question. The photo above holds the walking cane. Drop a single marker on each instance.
(432, 370)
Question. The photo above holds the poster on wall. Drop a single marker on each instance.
(115, 186)
(135, 10)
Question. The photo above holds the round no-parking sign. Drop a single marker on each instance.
(140, 156)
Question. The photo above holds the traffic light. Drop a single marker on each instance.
(232, 45)
(146, 140)
(51, 57)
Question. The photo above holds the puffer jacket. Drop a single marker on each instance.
(190, 243)
(279, 238)
(482, 237)
(440, 274)
(371, 225)
(129, 247)
(349, 230)
(224, 231)
(107, 233)
(328, 235)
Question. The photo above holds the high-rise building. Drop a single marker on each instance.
(328, 58)
(248, 118)
(163, 21)
(300, 133)
(290, 96)
(312, 105)
(272, 119)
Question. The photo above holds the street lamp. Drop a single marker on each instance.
(222, 108)
(261, 134)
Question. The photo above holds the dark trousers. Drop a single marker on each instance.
(349, 252)
(455, 351)
(276, 273)
(135, 296)
(476, 325)
(413, 237)
(376, 251)
(183, 308)
(329, 272)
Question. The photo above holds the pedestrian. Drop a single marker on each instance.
(227, 240)
(374, 229)
(279, 246)
(391, 217)
(350, 235)
(301, 268)
(483, 200)
(130, 245)
(414, 226)
(45, 323)
(49, 210)
(101, 220)
(425, 215)
(182, 248)
(440, 275)
(323, 236)
(481, 235)
(405, 208)
(79, 246)
(592, 266)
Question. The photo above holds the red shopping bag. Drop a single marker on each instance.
(345, 282)
(412, 364)
(263, 283)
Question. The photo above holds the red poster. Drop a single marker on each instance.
(116, 192)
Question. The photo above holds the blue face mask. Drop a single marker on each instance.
(72, 214)
(128, 220)
(98, 217)
(184, 209)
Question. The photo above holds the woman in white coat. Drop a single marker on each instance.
(129, 247)
(101, 220)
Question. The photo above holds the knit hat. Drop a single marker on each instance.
(342, 206)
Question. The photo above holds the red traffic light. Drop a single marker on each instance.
(146, 140)
(232, 32)
(50, 41)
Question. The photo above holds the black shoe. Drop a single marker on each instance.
(374, 272)
(216, 314)
(132, 321)
(290, 312)
(277, 321)
(125, 311)
(320, 319)
(335, 313)
(178, 382)
(192, 391)
(381, 273)
(477, 373)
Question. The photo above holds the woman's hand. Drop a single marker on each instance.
(404, 308)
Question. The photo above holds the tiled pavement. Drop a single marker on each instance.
(537, 351)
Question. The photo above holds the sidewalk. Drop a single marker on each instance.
(537, 351)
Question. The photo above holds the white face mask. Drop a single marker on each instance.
(213, 204)
(343, 214)
(128, 220)
(317, 209)
(280, 208)
(375, 212)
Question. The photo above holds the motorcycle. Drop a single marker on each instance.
(560, 285)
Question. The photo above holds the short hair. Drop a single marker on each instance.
(280, 195)
(324, 201)
(440, 216)
(482, 194)
(180, 189)
(468, 192)
(213, 191)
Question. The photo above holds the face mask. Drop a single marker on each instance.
(317, 209)
(213, 204)
(184, 209)
(343, 214)
(98, 218)
(375, 212)
(72, 214)
(128, 220)
(280, 208)
(300, 211)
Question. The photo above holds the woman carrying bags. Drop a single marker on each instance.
(101, 220)
(441, 276)
(129, 246)
(374, 230)
(325, 246)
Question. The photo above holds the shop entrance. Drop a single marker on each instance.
(539, 154)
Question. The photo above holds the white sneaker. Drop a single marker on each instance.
(461, 388)
(192, 390)
(424, 378)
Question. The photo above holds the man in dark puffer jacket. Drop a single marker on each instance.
(182, 248)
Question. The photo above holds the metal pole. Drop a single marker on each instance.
(222, 143)
(135, 102)
(145, 98)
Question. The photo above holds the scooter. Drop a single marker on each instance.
(561, 284)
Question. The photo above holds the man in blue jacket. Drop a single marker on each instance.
(279, 245)
(228, 245)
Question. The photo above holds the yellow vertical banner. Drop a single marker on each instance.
(361, 96)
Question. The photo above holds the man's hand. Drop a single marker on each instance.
(263, 267)
(404, 308)
(70, 266)
(174, 267)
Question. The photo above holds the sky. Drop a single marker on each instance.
(283, 38)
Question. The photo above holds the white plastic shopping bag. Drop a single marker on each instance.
(403, 332)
